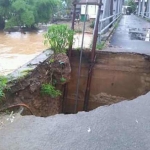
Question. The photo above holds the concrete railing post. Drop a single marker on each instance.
(139, 8)
(120, 6)
(104, 15)
(148, 8)
(117, 1)
(143, 8)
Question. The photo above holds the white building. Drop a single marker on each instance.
(92, 9)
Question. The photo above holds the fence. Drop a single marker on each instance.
(109, 16)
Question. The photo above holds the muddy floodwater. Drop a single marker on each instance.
(17, 48)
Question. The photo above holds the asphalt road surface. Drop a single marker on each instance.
(121, 39)
(122, 126)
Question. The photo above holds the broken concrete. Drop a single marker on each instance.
(122, 126)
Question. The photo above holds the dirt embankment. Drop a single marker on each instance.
(26, 90)
(117, 76)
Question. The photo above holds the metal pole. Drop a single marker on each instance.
(119, 6)
(80, 62)
(111, 10)
(101, 24)
(148, 6)
(104, 13)
(116, 7)
(65, 93)
(143, 8)
(139, 8)
(93, 57)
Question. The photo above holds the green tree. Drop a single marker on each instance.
(45, 10)
(132, 4)
(5, 6)
(26, 12)
(59, 38)
(68, 3)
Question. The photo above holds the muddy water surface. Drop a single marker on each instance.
(17, 48)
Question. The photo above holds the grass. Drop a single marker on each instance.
(116, 24)
(78, 31)
(50, 90)
(24, 73)
(62, 80)
(100, 46)
(3, 84)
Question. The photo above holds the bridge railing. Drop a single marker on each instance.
(146, 15)
(112, 11)
(144, 9)
(116, 17)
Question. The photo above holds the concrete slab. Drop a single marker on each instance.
(122, 37)
(122, 126)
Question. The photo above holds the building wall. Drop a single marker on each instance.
(92, 10)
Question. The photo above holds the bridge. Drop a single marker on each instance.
(118, 72)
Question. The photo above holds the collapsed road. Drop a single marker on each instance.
(122, 126)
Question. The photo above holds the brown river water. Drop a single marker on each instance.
(17, 48)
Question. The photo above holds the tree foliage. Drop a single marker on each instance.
(59, 38)
(3, 83)
(26, 12)
(68, 3)
(132, 4)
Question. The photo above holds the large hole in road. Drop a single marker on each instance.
(116, 77)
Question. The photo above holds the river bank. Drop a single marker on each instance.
(17, 48)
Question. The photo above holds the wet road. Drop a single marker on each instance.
(122, 126)
(122, 40)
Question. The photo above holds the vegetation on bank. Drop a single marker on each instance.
(50, 90)
(59, 38)
(3, 84)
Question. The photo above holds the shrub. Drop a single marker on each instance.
(3, 83)
(62, 80)
(50, 90)
(59, 38)
(100, 46)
